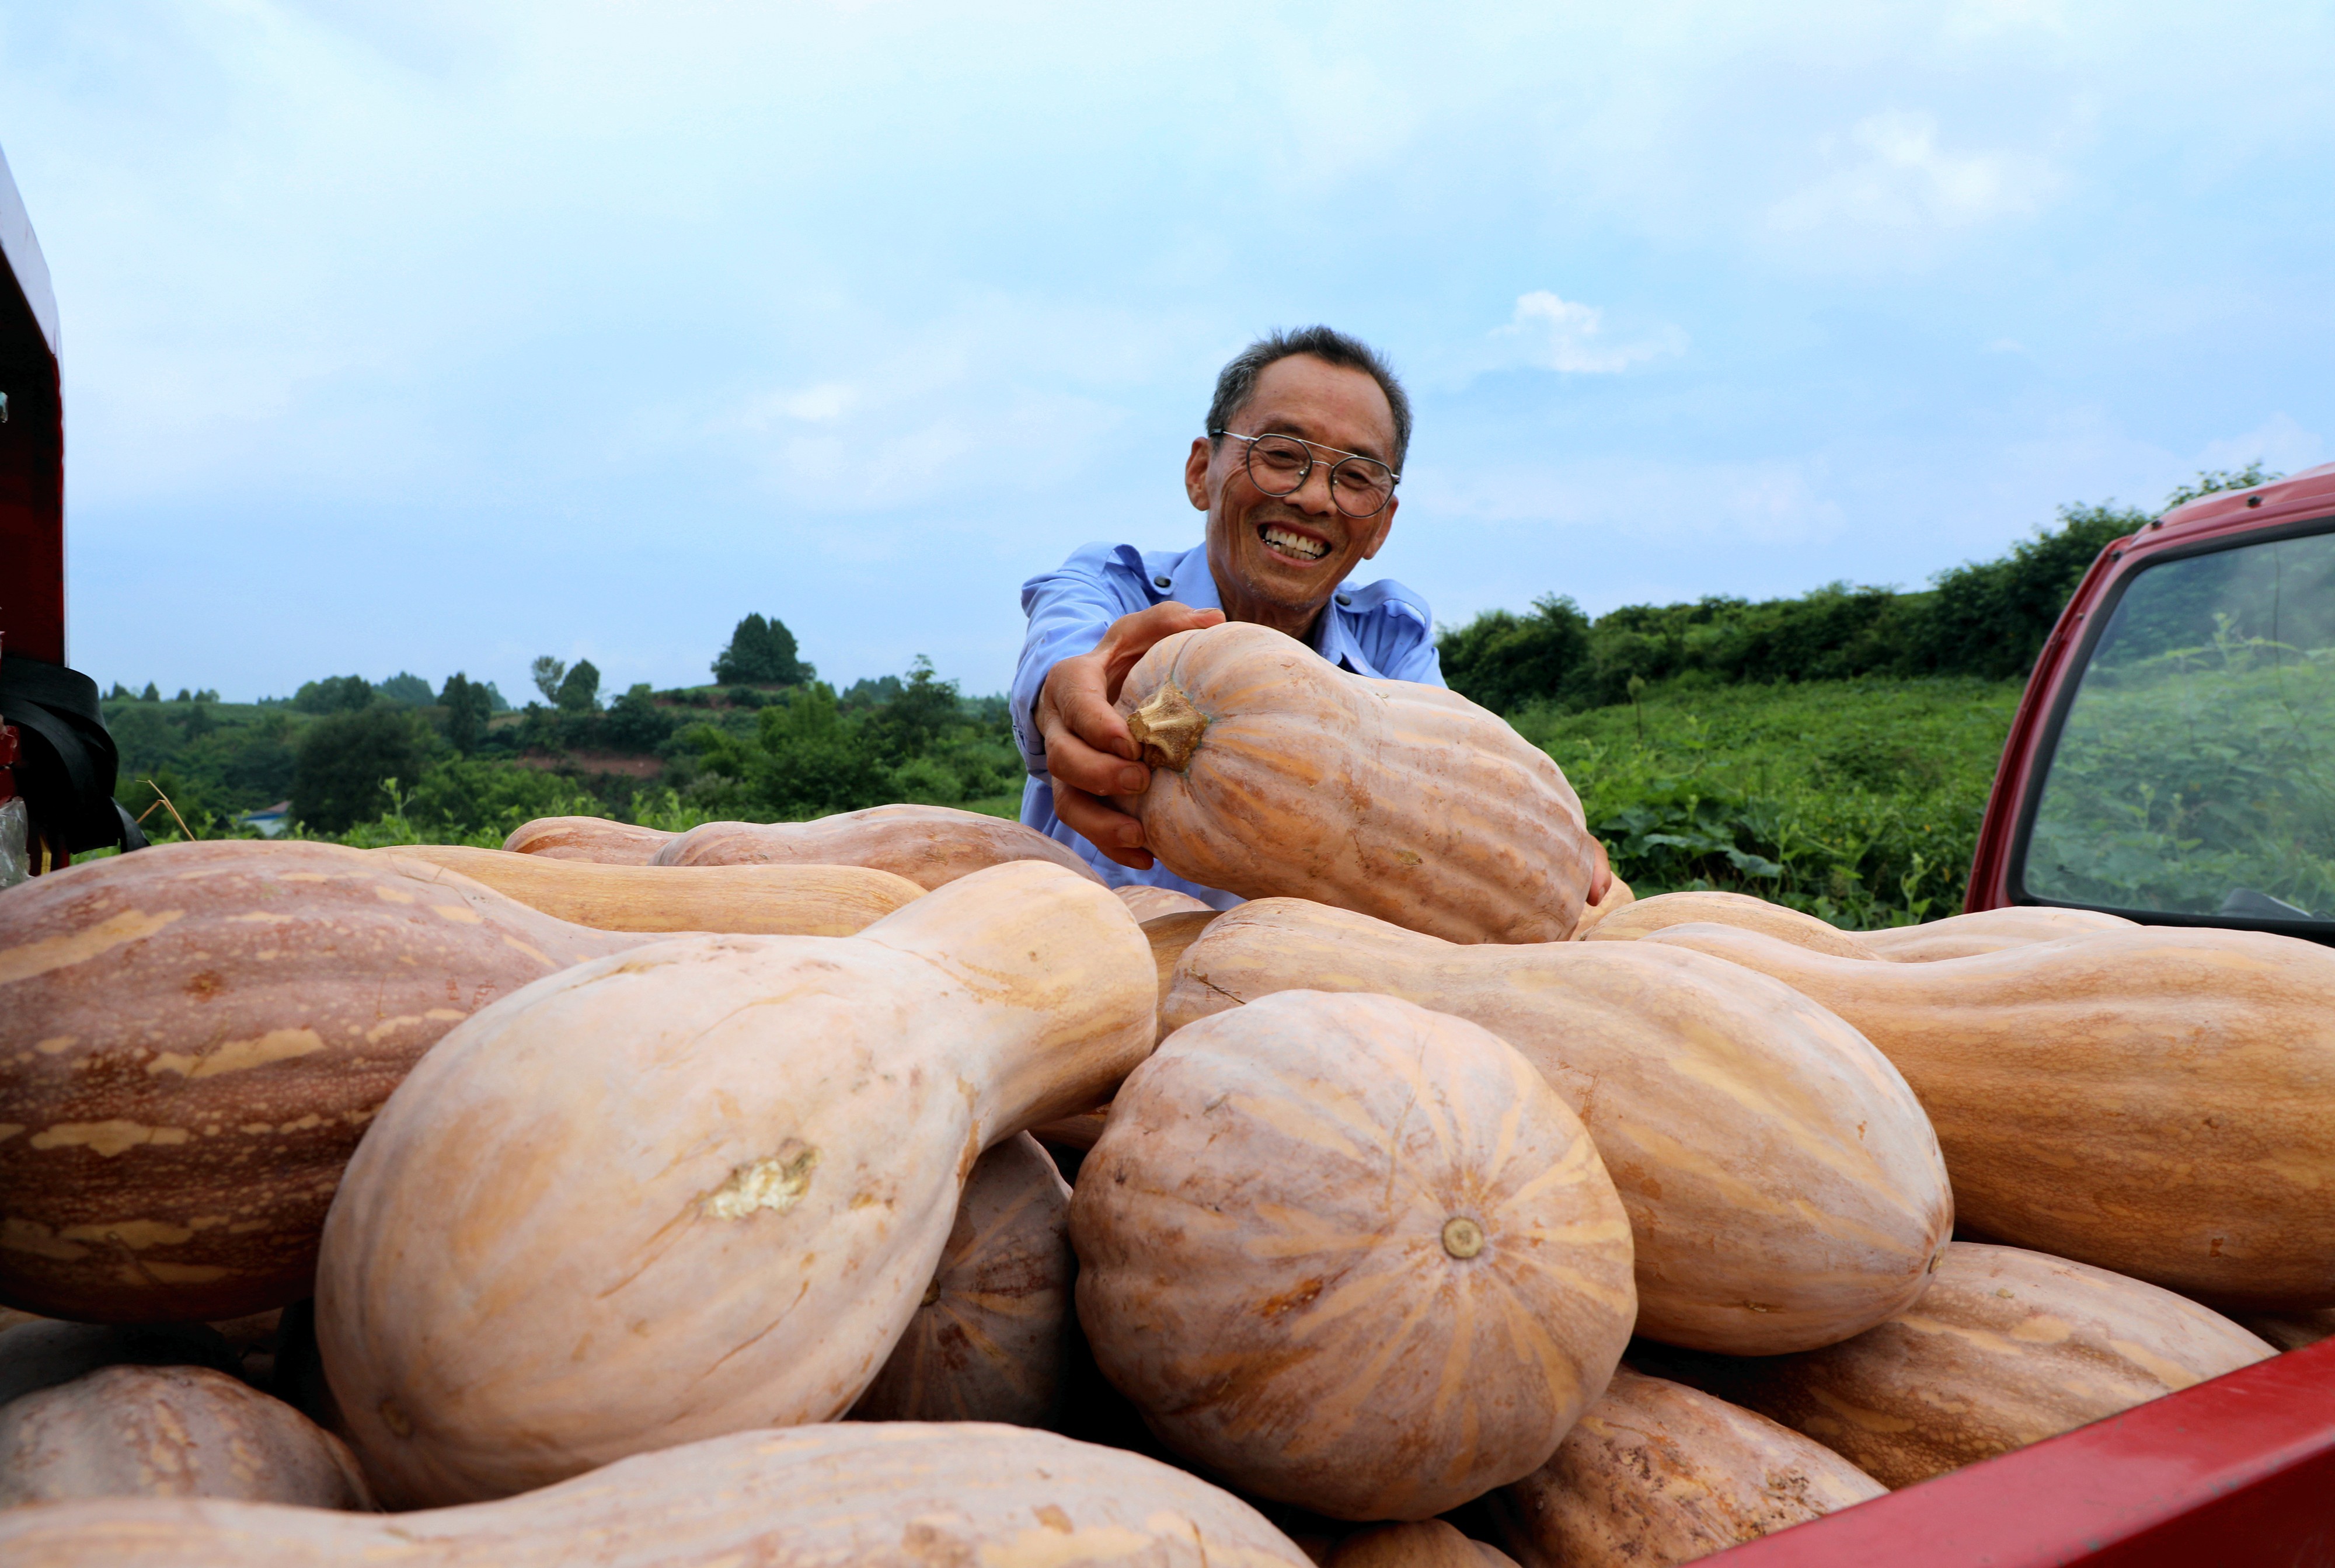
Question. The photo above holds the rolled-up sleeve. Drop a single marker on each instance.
(1070, 608)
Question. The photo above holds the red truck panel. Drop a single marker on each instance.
(2240, 1470)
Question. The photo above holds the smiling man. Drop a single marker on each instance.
(1305, 445)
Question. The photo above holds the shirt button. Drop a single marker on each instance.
(1159, 582)
(1345, 600)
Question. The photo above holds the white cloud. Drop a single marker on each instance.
(1897, 181)
(2278, 443)
(1548, 332)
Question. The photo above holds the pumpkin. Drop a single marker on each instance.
(896, 1495)
(989, 1340)
(700, 1186)
(1656, 1473)
(1276, 774)
(2155, 1101)
(931, 845)
(1143, 901)
(2007, 1347)
(1989, 931)
(1737, 909)
(1424, 1544)
(1169, 934)
(1784, 1186)
(191, 1040)
(169, 1432)
(771, 900)
(1351, 1254)
(587, 838)
(1617, 896)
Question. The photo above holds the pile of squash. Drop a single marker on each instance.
(887, 1189)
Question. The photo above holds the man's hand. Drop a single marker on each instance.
(1601, 881)
(1089, 754)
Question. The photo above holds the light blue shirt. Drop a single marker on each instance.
(1381, 630)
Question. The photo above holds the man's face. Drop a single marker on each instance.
(1287, 554)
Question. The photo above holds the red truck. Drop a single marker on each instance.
(2173, 760)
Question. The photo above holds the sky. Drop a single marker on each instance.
(403, 335)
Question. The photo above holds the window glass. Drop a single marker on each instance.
(2195, 773)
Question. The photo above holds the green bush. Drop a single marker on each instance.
(342, 759)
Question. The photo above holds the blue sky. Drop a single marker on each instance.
(440, 335)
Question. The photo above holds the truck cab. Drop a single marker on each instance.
(2172, 759)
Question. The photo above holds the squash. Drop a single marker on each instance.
(1144, 901)
(169, 1432)
(1784, 1186)
(587, 838)
(1274, 773)
(2007, 1346)
(1169, 935)
(1989, 931)
(931, 845)
(2155, 1101)
(767, 900)
(1737, 909)
(700, 1186)
(191, 1040)
(990, 1340)
(1617, 896)
(40, 1353)
(1351, 1254)
(896, 1495)
(1426, 1543)
(1656, 1473)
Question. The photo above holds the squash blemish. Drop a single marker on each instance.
(1167, 728)
(777, 1184)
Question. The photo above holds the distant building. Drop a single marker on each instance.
(271, 820)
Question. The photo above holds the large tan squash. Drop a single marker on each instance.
(2155, 1101)
(1422, 1543)
(1656, 1473)
(990, 1339)
(1989, 931)
(191, 1040)
(1145, 902)
(1274, 773)
(700, 1186)
(1351, 1254)
(761, 900)
(2007, 1348)
(169, 1432)
(587, 838)
(1784, 1187)
(1738, 909)
(931, 845)
(895, 1496)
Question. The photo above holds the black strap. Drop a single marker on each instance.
(69, 763)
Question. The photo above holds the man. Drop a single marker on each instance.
(1304, 444)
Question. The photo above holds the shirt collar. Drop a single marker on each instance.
(1189, 582)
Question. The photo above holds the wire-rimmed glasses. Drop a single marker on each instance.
(1280, 465)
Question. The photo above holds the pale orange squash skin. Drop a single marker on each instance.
(1656, 1473)
(169, 1432)
(2155, 1101)
(1425, 1544)
(191, 1040)
(759, 900)
(1989, 931)
(931, 845)
(2007, 1346)
(1268, 1268)
(1784, 1186)
(898, 1494)
(989, 1340)
(1397, 800)
(1738, 909)
(1144, 902)
(1617, 896)
(700, 1186)
(592, 839)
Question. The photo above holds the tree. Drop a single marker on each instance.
(468, 706)
(761, 652)
(547, 672)
(337, 772)
(925, 709)
(334, 694)
(579, 692)
(407, 688)
(635, 723)
(1504, 660)
(2213, 481)
(152, 693)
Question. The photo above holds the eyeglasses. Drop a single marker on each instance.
(1280, 465)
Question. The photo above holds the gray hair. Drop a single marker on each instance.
(1236, 383)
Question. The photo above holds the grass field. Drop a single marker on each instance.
(1855, 800)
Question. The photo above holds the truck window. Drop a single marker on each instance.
(2195, 773)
